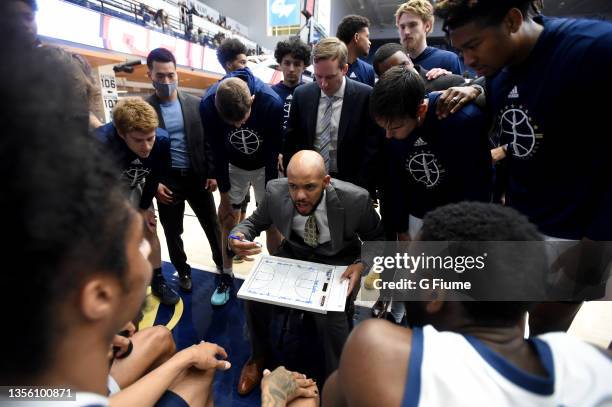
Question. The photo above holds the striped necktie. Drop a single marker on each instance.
(325, 138)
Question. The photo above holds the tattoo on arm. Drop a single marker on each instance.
(278, 387)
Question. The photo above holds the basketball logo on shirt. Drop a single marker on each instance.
(425, 169)
(135, 175)
(245, 140)
(287, 106)
(287, 110)
(515, 127)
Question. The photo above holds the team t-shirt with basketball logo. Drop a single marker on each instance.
(255, 144)
(441, 162)
(553, 112)
(136, 172)
(286, 94)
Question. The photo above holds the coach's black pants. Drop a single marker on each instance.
(185, 186)
(332, 330)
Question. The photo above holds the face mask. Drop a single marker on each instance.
(165, 89)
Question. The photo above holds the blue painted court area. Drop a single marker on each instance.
(298, 347)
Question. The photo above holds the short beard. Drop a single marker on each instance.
(314, 208)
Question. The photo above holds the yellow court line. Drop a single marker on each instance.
(178, 313)
(150, 312)
(151, 309)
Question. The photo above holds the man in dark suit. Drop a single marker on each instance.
(331, 117)
(191, 177)
(323, 221)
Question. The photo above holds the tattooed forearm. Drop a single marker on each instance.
(277, 388)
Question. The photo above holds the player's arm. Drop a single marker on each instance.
(213, 133)
(259, 220)
(274, 140)
(380, 349)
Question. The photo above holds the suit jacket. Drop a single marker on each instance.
(358, 135)
(200, 152)
(350, 214)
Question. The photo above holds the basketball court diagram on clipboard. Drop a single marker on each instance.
(296, 284)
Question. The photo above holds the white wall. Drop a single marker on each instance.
(339, 9)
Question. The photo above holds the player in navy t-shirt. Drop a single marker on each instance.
(293, 57)
(354, 31)
(141, 152)
(433, 162)
(414, 20)
(430, 162)
(549, 100)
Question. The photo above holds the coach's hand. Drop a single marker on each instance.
(353, 273)
(279, 164)
(164, 194)
(211, 184)
(241, 248)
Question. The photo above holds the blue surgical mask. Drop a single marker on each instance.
(165, 90)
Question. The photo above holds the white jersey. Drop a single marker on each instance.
(450, 369)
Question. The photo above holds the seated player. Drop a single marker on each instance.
(471, 353)
(83, 243)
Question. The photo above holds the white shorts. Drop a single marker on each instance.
(241, 180)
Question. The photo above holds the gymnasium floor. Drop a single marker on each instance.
(194, 319)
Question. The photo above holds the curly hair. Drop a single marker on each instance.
(295, 47)
(507, 273)
(229, 50)
(350, 25)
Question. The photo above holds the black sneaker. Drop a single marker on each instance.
(185, 283)
(161, 290)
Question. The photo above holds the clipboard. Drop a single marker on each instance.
(296, 284)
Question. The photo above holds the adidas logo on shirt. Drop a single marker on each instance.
(136, 162)
(420, 142)
(352, 75)
(513, 93)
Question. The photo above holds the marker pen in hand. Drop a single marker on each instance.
(243, 240)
